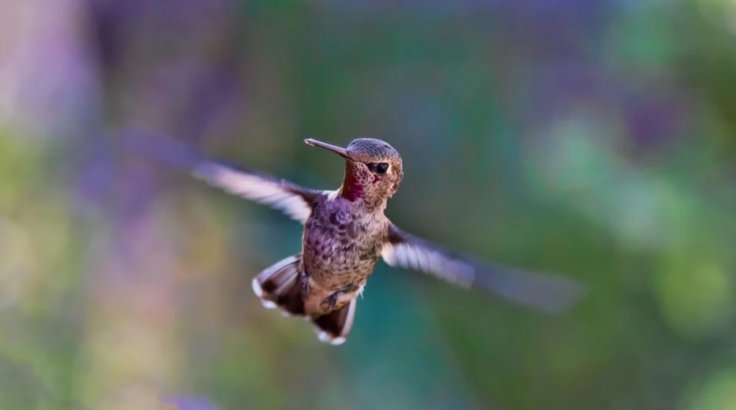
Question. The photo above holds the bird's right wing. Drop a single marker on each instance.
(292, 199)
(545, 292)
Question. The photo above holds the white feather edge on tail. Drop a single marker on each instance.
(335, 341)
(258, 290)
(274, 275)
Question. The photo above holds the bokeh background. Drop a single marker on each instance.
(592, 138)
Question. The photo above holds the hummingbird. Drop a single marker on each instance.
(346, 233)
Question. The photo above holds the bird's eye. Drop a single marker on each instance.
(381, 167)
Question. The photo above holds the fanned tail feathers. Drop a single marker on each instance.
(280, 286)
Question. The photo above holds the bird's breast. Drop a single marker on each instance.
(341, 247)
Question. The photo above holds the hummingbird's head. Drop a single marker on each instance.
(373, 168)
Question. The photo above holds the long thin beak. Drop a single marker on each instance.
(334, 148)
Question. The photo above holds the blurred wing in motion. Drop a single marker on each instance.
(290, 198)
(545, 292)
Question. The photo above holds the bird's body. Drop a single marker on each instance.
(341, 245)
(346, 233)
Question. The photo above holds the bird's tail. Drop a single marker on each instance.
(334, 327)
(280, 286)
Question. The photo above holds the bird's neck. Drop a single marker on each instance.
(358, 186)
(353, 186)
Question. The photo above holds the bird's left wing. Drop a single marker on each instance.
(545, 292)
(288, 197)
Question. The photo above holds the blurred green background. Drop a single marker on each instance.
(592, 138)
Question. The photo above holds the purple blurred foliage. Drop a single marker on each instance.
(175, 90)
(655, 118)
(551, 93)
(112, 185)
(191, 403)
(136, 188)
(186, 97)
(474, 6)
(177, 82)
(106, 21)
(97, 173)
